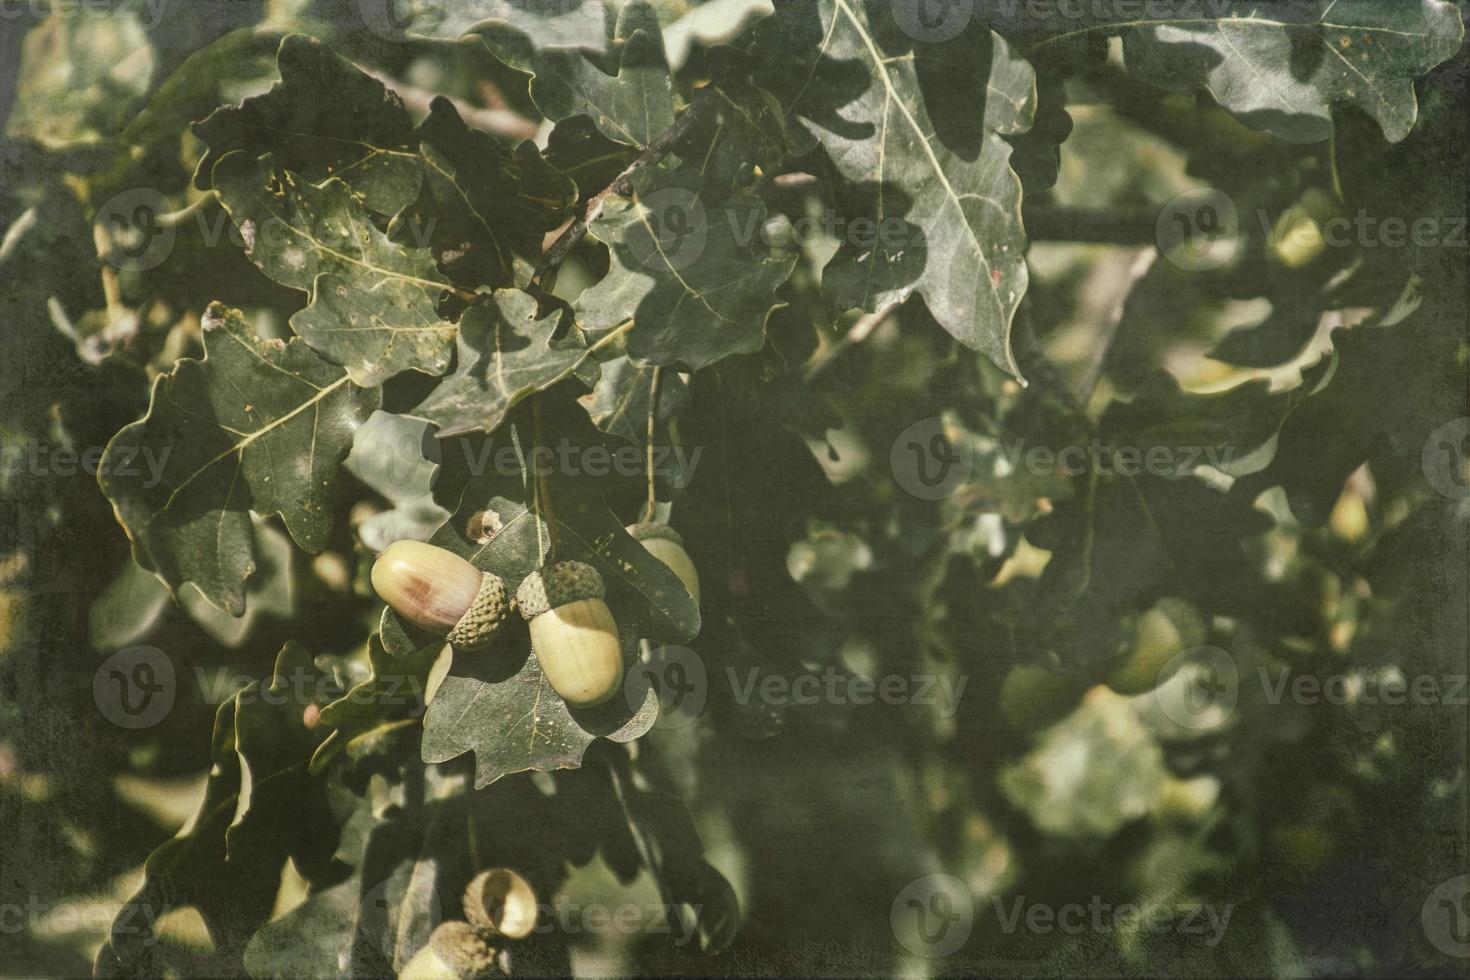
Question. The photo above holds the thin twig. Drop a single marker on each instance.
(660, 147)
(856, 334)
(1137, 269)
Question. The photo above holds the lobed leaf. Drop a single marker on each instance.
(257, 425)
(691, 277)
(944, 203)
(507, 351)
(1283, 68)
(324, 118)
(373, 306)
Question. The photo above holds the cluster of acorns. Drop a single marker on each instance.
(572, 630)
(498, 905)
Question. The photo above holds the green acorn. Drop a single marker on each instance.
(441, 592)
(573, 632)
(665, 544)
(455, 951)
(500, 902)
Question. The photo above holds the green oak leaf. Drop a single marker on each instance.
(407, 848)
(259, 809)
(946, 205)
(507, 351)
(484, 206)
(695, 894)
(694, 277)
(373, 300)
(324, 118)
(130, 608)
(1384, 393)
(577, 149)
(394, 686)
(624, 397)
(545, 23)
(748, 128)
(1283, 68)
(257, 425)
(630, 107)
(513, 721)
(191, 869)
(390, 453)
(270, 591)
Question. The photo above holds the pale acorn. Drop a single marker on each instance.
(500, 902)
(442, 593)
(573, 632)
(665, 544)
(455, 951)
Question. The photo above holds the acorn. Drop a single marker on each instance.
(1033, 698)
(665, 544)
(500, 902)
(455, 951)
(442, 593)
(1169, 627)
(573, 632)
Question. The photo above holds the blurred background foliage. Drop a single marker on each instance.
(1063, 774)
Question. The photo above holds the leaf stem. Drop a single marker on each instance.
(856, 334)
(543, 491)
(533, 486)
(652, 416)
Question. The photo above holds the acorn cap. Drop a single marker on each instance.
(478, 626)
(499, 902)
(649, 530)
(556, 585)
(463, 949)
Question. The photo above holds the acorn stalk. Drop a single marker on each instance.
(441, 592)
(573, 632)
(665, 544)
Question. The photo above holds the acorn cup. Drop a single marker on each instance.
(499, 902)
(573, 632)
(442, 593)
(455, 951)
(665, 544)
